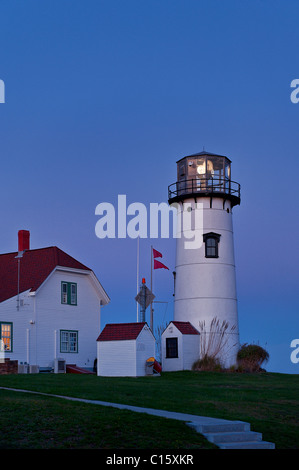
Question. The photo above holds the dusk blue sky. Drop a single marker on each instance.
(103, 97)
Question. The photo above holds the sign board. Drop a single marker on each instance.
(147, 293)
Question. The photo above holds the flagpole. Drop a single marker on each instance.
(137, 278)
(151, 306)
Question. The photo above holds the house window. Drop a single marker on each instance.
(69, 293)
(171, 347)
(64, 292)
(68, 341)
(211, 241)
(6, 336)
(73, 294)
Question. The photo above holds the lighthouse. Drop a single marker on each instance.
(205, 280)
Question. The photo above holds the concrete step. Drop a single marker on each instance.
(229, 426)
(247, 445)
(242, 436)
(231, 435)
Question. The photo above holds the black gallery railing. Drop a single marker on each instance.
(205, 185)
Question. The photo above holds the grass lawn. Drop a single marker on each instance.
(35, 422)
(268, 401)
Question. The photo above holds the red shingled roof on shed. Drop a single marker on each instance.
(35, 267)
(185, 328)
(121, 331)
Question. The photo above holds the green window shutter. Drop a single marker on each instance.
(68, 293)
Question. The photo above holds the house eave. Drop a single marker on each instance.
(96, 283)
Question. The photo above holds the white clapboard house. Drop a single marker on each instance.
(50, 308)
(124, 348)
(180, 345)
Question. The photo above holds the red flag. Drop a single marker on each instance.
(158, 265)
(156, 254)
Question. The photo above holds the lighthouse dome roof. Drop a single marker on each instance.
(204, 153)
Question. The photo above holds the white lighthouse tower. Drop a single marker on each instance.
(205, 280)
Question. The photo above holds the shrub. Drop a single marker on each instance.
(207, 363)
(250, 357)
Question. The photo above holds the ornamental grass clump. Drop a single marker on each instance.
(214, 338)
(207, 363)
(214, 347)
(250, 357)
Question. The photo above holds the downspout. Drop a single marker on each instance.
(35, 322)
(27, 346)
(55, 344)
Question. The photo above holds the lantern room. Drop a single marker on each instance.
(204, 173)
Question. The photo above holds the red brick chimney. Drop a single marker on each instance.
(24, 240)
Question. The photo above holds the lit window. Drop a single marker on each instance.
(69, 293)
(211, 241)
(6, 336)
(68, 341)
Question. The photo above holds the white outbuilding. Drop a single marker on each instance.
(124, 348)
(180, 346)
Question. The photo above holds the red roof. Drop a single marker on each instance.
(185, 328)
(121, 331)
(35, 267)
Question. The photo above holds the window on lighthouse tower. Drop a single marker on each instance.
(211, 241)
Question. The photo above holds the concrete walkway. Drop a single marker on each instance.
(152, 411)
(224, 433)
